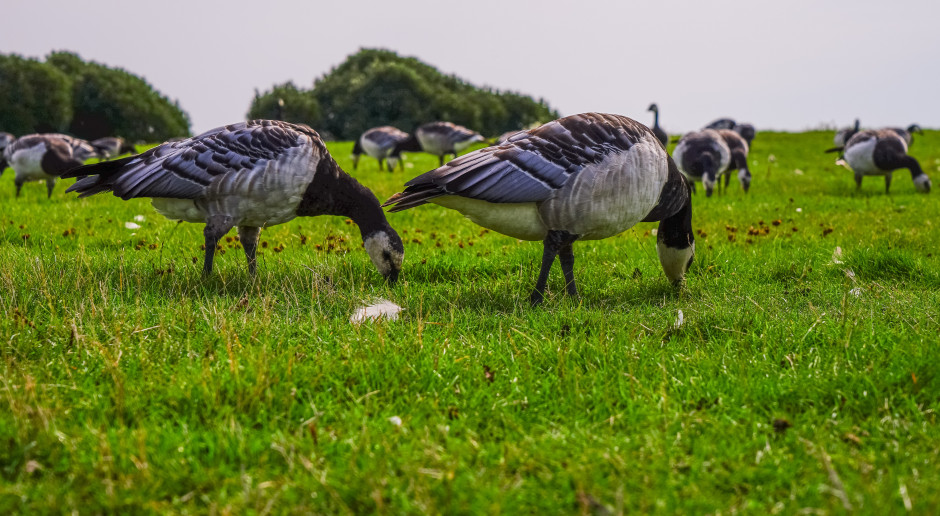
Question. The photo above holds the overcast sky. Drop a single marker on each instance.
(792, 64)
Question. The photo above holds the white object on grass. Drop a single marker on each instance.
(380, 309)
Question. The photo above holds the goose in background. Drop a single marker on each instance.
(5, 140)
(439, 139)
(843, 135)
(747, 131)
(380, 142)
(112, 146)
(907, 134)
(739, 148)
(81, 149)
(879, 153)
(38, 157)
(702, 156)
(248, 175)
(582, 177)
(657, 130)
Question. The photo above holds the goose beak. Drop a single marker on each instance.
(392, 277)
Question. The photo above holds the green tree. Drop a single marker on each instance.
(34, 97)
(378, 87)
(113, 102)
(288, 103)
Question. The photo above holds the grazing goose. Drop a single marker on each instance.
(379, 142)
(879, 153)
(440, 139)
(843, 135)
(907, 134)
(582, 177)
(111, 146)
(703, 156)
(657, 130)
(81, 149)
(746, 131)
(250, 175)
(38, 157)
(739, 147)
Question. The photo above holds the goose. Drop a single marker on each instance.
(879, 153)
(379, 142)
(439, 139)
(582, 177)
(907, 134)
(5, 140)
(703, 156)
(248, 175)
(738, 145)
(82, 150)
(111, 146)
(746, 131)
(843, 135)
(38, 157)
(657, 130)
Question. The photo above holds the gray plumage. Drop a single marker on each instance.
(587, 176)
(703, 156)
(250, 175)
(39, 157)
(379, 143)
(443, 138)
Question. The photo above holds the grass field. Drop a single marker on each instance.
(795, 383)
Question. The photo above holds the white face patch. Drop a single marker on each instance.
(922, 183)
(675, 262)
(377, 245)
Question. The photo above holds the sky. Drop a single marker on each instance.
(785, 65)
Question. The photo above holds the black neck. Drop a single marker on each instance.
(655, 118)
(334, 192)
(676, 231)
(410, 145)
(911, 164)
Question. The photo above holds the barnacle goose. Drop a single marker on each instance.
(879, 153)
(703, 156)
(380, 142)
(250, 175)
(5, 140)
(39, 157)
(582, 177)
(657, 130)
(439, 139)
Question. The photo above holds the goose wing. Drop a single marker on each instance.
(530, 166)
(183, 169)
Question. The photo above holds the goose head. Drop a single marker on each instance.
(705, 167)
(653, 107)
(387, 252)
(744, 176)
(922, 183)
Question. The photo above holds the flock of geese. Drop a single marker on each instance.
(582, 177)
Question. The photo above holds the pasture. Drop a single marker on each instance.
(800, 378)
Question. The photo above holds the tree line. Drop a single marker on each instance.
(378, 87)
(67, 94)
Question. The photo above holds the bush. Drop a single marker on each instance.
(34, 97)
(379, 87)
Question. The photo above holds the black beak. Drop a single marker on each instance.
(392, 277)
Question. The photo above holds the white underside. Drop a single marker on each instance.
(518, 220)
(861, 158)
(376, 151)
(27, 164)
(674, 261)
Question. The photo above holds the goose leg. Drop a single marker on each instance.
(553, 244)
(566, 258)
(248, 236)
(887, 182)
(50, 184)
(380, 165)
(858, 181)
(19, 186)
(216, 227)
(440, 160)
(727, 178)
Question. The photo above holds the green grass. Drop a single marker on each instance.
(130, 384)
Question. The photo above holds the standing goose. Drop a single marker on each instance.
(440, 139)
(842, 136)
(879, 153)
(250, 175)
(582, 177)
(703, 156)
(111, 146)
(722, 123)
(379, 142)
(657, 130)
(738, 146)
(38, 157)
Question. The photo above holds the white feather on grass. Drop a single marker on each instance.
(378, 310)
